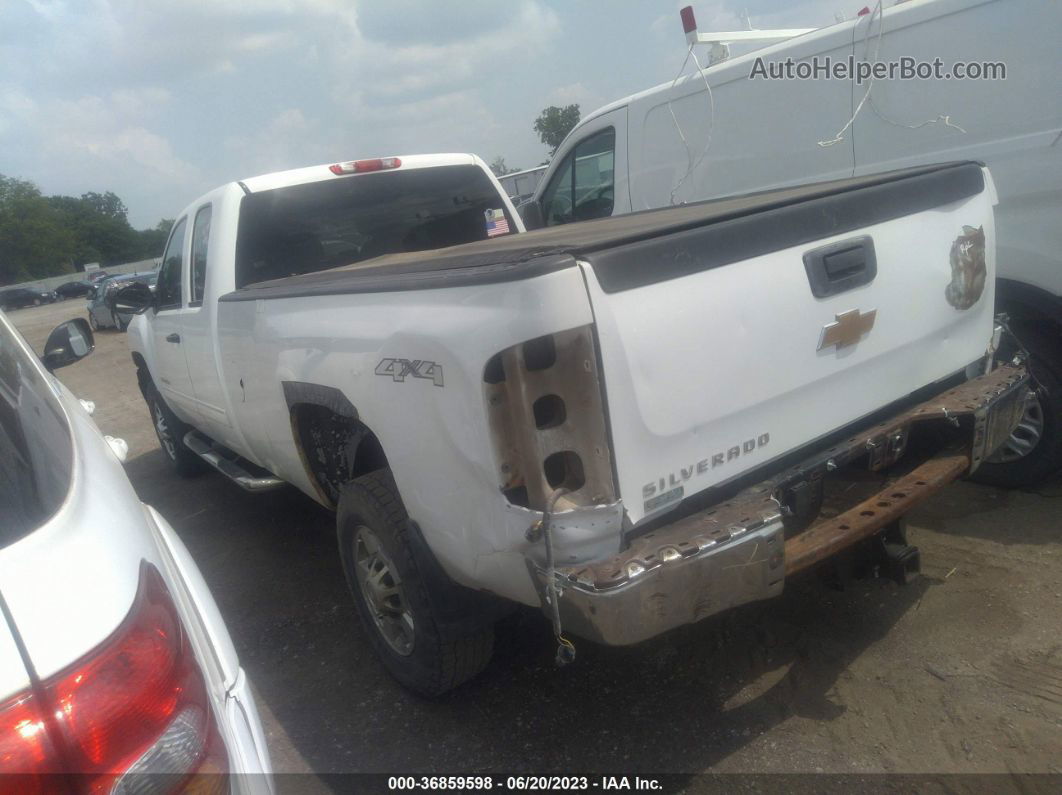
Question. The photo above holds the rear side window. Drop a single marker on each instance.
(200, 243)
(36, 454)
(584, 187)
(326, 224)
(168, 288)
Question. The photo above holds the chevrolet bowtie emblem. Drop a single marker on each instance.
(846, 329)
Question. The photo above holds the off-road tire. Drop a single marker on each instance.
(448, 649)
(1045, 363)
(185, 462)
(118, 322)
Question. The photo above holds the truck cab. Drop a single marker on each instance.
(291, 222)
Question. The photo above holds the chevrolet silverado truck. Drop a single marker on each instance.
(631, 423)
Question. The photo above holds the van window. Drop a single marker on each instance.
(557, 198)
(334, 222)
(584, 187)
(168, 288)
(200, 242)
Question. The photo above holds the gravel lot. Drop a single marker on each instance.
(960, 671)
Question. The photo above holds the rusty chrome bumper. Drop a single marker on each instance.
(736, 552)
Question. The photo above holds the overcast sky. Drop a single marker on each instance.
(161, 100)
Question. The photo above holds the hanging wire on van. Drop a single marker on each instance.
(691, 164)
(839, 137)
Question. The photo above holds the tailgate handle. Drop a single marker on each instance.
(841, 266)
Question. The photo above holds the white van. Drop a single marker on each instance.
(750, 134)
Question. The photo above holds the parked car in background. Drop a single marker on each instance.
(18, 297)
(73, 289)
(114, 659)
(101, 312)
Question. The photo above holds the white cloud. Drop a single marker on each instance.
(95, 143)
(277, 146)
(107, 130)
(161, 100)
(576, 93)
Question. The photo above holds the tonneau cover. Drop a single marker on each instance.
(717, 232)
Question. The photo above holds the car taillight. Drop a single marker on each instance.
(361, 166)
(135, 704)
(25, 746)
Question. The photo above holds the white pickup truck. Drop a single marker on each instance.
(632, 423)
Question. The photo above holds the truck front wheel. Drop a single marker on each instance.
(170, 432)
(406, 611)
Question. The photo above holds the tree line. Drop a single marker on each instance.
(50, 235)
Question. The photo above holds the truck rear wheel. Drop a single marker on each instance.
(170, 432)
(1034, 451)
(406, 611)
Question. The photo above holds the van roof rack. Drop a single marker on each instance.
(720, 42)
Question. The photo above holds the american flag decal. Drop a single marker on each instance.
(497, 224)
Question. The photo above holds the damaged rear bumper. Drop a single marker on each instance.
(737, 551)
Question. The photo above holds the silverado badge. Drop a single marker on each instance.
(847, 329)
(968, 270)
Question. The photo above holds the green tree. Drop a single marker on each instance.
(34, 242)
(48, 235)
(553, 124)
(497, 165)
(150, 242)
(107, 205)
(100, 227)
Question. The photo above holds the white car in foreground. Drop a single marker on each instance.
(114, 659)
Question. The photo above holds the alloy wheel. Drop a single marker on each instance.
(162, 429)
(1024, 438)
(381, 587)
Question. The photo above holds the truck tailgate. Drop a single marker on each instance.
(726, 346)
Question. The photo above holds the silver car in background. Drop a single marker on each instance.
(101, 311)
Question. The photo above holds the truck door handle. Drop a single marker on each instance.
(841, 266)
(173, 338)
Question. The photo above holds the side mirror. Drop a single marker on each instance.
(531, 213)
(134, 299)
(69, 342)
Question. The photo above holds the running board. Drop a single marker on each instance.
(231, 465)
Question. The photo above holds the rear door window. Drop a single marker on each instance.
(200, 243)
(168, 287)
(334, 222)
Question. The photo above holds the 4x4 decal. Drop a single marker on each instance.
(399, 369)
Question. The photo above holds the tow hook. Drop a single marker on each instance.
(886, 554)
(896, 559)
(543, 530)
